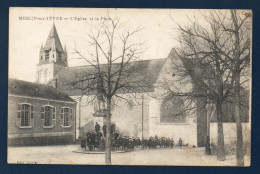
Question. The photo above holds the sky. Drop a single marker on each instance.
(29, 28)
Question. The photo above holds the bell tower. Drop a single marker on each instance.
(51, 59)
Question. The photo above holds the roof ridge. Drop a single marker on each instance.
(27, 88)
(34, 83)
(118, 62)
(38, 84)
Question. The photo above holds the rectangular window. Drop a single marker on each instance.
(47, 119)
(66, 116)
(25, 115)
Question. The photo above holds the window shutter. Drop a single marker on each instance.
(62, 116)
(42, 113)
(18, 116)
(53, 116)
(42, 116)
(70, 117)
(70, 111)
(19, 107)
(32, 116)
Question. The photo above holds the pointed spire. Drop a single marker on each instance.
(53, 33)
(53, 38)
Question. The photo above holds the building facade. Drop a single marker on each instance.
(39, 115)
(142, 118)
(150, 113)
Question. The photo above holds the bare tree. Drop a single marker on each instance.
(219, 51)
(240, 58)
(112, 70)
(183, 81)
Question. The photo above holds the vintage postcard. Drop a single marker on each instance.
(129, 86)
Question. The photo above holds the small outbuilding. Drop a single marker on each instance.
(39, 114)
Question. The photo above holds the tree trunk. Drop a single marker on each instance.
(239, 144)
(220, 146)
(108, 133)
(207, 147)
(201, 120)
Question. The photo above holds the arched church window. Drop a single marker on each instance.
(173, 110)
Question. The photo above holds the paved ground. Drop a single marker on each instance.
(65, 155)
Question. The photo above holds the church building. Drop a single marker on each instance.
(152, 113)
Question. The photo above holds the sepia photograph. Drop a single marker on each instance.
(149, 87)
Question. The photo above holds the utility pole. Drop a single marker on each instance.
(142, 117)
(79, 115)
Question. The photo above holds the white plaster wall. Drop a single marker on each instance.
(186, 131)
(127, 120)
(154, 111)
(229, 132)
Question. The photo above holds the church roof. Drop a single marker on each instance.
(142, 77)
(53, 40)
(29, 89)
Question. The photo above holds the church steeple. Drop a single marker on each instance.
(53, 39)
(52, 57)
(52, 50)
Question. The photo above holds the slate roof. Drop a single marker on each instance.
(144, 72)
(23, 88)
(53, 40)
